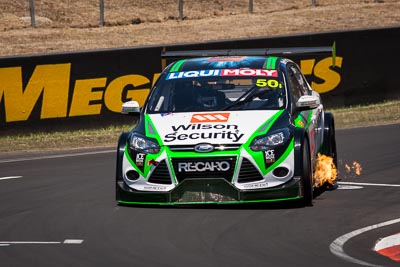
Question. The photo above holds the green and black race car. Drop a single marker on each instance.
(224, 129)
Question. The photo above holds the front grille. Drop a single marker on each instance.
(248, 173)
(218, 167)
(161, 174)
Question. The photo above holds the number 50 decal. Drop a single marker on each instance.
(269, 83)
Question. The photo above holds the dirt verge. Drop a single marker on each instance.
(67, 25)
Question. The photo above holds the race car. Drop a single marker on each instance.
(225, 128)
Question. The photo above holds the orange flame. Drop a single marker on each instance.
(354, 168)
(325, 171)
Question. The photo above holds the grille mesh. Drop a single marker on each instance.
(161, 174)
(248, 173)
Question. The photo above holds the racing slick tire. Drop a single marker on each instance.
(329, 145)
(304, 169)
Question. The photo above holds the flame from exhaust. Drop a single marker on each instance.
(354, 168)
(325, 171)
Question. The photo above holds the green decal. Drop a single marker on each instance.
(271, 63)
(174, 180)
(151, 130)
(177, 65)
(309, 119)
(301, 122)
(298, 122)
(264, 128)
(258, 156)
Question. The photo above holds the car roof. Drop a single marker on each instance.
(237, 62)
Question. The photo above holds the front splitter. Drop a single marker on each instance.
(209, 191)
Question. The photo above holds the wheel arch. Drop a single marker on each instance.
(329, 122)
(120, 154)
(300, 134)
(329, 141)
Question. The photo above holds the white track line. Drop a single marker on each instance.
(66, 241)
(10, 177)
(336, 247)
(29, 242)
(57, 156)
(371, 184)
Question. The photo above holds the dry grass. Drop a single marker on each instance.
(69, 25)
(385, 113)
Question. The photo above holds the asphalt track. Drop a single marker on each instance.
(58, 210)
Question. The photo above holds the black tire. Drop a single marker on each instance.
(306, 176)
(329, 145)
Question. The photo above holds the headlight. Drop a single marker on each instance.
(263, 143)
(143, 144)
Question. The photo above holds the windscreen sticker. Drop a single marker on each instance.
(271, 83)
(222, 72)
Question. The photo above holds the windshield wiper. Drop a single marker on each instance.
(245, 98)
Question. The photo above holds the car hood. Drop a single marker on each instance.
(225, 127)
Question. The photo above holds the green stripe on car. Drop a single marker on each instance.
(151, 130)
(177, 65)
(271, 63)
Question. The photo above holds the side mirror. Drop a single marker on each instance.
(130, 108)
(307, 102)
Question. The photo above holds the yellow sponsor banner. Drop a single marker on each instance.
(324, 71)
(50, 81)
(50, 87)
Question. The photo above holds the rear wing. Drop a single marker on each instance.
(285, 52)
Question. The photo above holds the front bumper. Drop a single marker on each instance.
(209, 191)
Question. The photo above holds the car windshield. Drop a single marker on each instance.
(215, 90)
